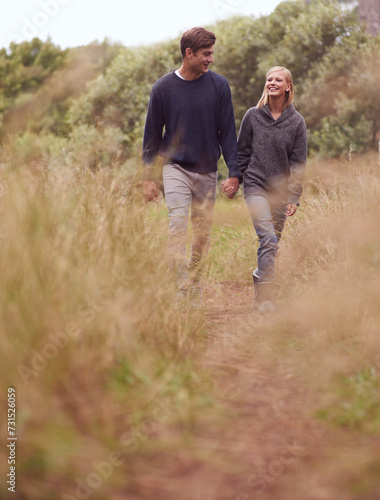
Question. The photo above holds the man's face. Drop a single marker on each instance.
(201, 60)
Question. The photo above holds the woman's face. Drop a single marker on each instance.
(277, 84)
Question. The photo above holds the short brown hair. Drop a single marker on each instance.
(195, 39)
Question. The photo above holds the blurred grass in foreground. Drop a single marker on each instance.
(90, 338)
(108, 371)
(326, 332)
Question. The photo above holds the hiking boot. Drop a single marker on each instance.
(266, 307)
(265, 294)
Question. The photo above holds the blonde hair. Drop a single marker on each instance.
(289, 95)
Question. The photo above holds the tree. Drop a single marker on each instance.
(101, 92)
(38, 79)
(369, 13)
(119, 97)
(320, 43)
(24, 66)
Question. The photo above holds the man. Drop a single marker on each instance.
(194, 106)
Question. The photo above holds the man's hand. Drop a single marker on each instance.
(150, 191)
(291, 209)
(230, 186)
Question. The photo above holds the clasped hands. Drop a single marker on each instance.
(230, 186)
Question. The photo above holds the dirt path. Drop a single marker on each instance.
(272, 438)
(261, 439)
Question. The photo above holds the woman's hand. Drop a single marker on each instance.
(291, 209)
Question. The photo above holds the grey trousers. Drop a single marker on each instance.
(185, 190)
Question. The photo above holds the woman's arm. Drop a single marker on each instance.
(245, 143)
(297, 163)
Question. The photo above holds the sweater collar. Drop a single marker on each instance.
(284, 115)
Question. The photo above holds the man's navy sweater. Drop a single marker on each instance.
(199, 122)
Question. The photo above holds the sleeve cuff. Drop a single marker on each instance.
(234, 172)
(296, 202)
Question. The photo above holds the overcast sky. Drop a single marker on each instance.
(132, 22)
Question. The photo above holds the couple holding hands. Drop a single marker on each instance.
(190, 120)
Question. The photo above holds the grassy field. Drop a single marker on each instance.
(124, 393)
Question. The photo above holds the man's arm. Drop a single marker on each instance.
(227, 132)
(154, 125)
(228, 143)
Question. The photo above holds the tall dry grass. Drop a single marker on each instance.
(326, 332)
(92, 338)
(109, 368)
(324, 336)
(330, 267)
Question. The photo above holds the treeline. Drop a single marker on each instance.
(96, 96)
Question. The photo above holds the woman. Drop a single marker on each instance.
(272, 148)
